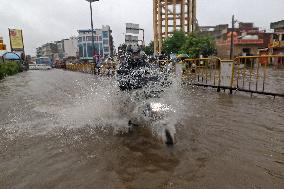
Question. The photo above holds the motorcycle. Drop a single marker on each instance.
(146, 83)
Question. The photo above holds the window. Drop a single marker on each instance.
(96, 48)
(59, 46)
(84, 39)
(90, 50)
(81, 51)
(105, 41)
(89, 38)
(85, 50)
(100, 38)
(106, 49)
(246, 51)
(105, 34)
(101, 49)
(80, 39)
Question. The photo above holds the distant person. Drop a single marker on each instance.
(24, 62)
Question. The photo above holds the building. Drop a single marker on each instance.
(170, 16)
(131, 39)
(47, 50)
(277, 40)
(247, 39)
(71, 47)
(39, 52)
(59, 50)
(216, 31)
(103, 43)
(59, 55)
(66, 48)
(132, 32)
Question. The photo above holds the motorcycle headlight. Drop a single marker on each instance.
(156, 107)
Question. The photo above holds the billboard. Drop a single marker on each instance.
(2, 45)
(132, 28)
(16, 40)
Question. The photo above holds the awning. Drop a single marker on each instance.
(11, 56)
(2, 52)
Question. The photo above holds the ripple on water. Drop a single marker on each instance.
(57, 131)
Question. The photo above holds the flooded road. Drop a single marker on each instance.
(62, 129)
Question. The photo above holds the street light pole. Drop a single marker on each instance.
(92, 27)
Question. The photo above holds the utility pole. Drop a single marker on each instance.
(232, 37)
(92, 27)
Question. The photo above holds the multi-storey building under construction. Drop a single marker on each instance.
(170, 16)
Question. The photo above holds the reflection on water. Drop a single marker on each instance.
(57, 131)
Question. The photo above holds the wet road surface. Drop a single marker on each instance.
(60, 129)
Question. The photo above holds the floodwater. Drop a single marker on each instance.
(61, 129)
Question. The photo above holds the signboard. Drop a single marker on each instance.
(16, 40)
(226, 73)
(2, 46)
(132, 28)
(275, 44)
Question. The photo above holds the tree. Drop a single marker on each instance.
(174, 43)
(196, 45)
(149, 49)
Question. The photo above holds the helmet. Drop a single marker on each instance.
(129, 48)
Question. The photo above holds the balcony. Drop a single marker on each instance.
(248, 41)
(242, 42)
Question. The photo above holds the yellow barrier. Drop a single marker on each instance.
(244, 73)
(85, 68)
(248, 73)
(106, 69)
(254, 70)
(202, 70)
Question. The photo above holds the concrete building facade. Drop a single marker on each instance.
(103, 43)
(59, 50)
(247, 39)
(170, 16)
(71, 47)
(277, 40)
(47, 50)
(67, 48)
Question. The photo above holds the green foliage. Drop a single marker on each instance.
(174, 43)
(194, 44)
(149, 49)
(9, 68)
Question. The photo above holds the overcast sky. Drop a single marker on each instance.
(49, 20)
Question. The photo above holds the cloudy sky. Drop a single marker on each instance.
(49, 20)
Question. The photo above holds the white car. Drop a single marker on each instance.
(39, 67)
